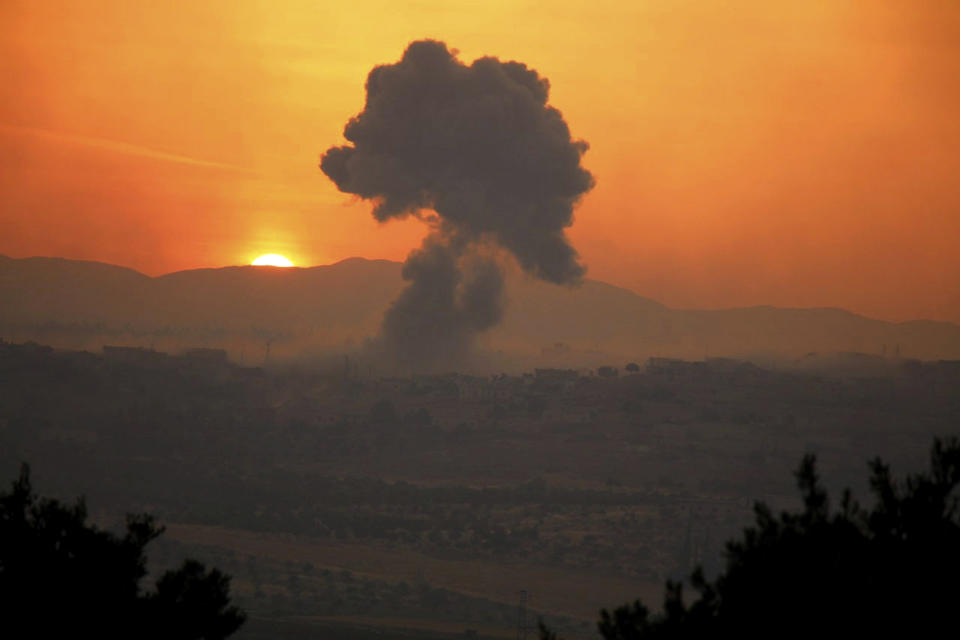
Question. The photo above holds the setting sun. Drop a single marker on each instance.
(272, 260)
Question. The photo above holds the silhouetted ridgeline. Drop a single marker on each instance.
(334, 308)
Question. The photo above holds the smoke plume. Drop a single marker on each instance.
(478, 153)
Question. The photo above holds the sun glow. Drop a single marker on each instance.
(272, 260)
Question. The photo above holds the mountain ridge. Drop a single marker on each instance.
(342, 303)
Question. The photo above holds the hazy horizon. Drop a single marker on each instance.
(400, 262)
(750, 153)
(431, 320)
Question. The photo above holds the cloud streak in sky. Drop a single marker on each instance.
(117, 146)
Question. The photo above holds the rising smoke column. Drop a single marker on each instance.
(477, 153)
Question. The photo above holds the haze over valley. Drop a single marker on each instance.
(313, 314)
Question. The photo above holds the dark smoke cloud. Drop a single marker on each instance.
(479, 146)
(432, 323)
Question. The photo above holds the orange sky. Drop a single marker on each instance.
(787, 153)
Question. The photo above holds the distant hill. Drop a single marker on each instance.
(349, 294)
(86, 304)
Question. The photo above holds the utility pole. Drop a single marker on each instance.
(522, 615)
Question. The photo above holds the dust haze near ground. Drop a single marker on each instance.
(313, 317)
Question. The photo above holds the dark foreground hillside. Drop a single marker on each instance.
(430, 502)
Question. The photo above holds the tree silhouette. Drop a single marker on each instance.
(60, 577)
(892, 570)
